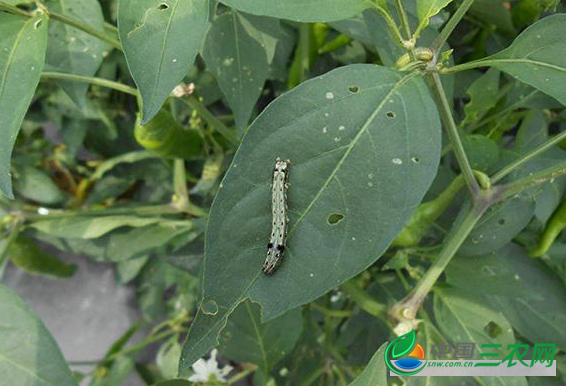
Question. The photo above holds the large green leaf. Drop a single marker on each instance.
(302, 10)
(238, 58)
(538, 57)
(375, 372)
(364, 143)
(530, 296)
(28, 353)
(74, 51)
(160, 40)
(23, 43)
(246, 339)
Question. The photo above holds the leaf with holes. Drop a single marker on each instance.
(23, 42)
(363, 141)
(28, 354)
(302, 10)
(157, 59)
(538, 57)
(73, 51)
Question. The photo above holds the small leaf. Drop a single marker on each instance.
(25, 254)
(158, 60)
(28, 353)
(37, 186)
(484, 93)
(427, 9)
(356, 151)
(23, 42)
(302, 10)
(538, 57)
(73, 51)
(375, 372)
(238, 61)
(85, 227)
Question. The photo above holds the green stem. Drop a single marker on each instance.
(196, 105)
(390, 22)
(513, 188)
(403, 17)
(151, 210)
(453, 135)
(13, 9)
(91, 80)
(331, 313)
(408, 307)
(181, 199)
(4, 250)
(366, 302)
(140, 345)
(449, 27)
(527, 157)
(86, 28)
(503, 112)
(468, 66)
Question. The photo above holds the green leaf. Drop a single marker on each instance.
(357, 152)
(493, 12)
(234, 53)
(246, 339)
(157, 58)
(463, 318)
(302, 10)
(498, 226)
(538, 57)
(28, 353)
(23, 43)
(175, 382)
(523, 289)
(25, 254)
(37, 186)
(482, 152)
(484, 93)
(73, 51)
(427, 9)
(132, 242)
(85, 227)
(375, 372)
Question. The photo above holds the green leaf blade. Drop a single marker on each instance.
(302, 10)
(538, 57)
(28, 353)
(158, 61)
(355, 151)
(22, 53)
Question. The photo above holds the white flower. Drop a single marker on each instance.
(208, 370)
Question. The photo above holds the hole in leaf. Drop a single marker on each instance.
(163, 6)
(334, 218)
(416, 160)
(492, 329)
(210, 308)
(501, 221)
(354, 89)
(38, 24)
(390, 114)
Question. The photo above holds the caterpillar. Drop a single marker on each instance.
(280, 217)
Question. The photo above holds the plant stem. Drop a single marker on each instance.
(470, 215)
(513, 188)
(403, 18)
(366, 302)
(92, 80)
(86, 28)
(197, 105)
(469, 65)
(13, 9)
(67, 20)
(140, 345)
(331, 313)
(527, 157)
(390, 22)
(449, 27)
(181, 199)
(453, 135)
